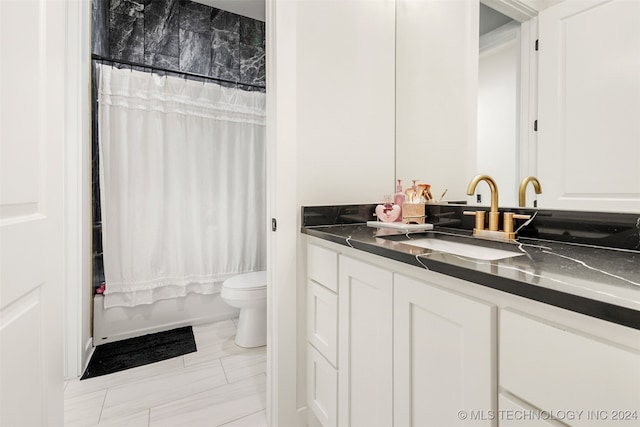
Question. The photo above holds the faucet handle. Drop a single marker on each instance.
(508, 220)
(479, 218)
(520, 216)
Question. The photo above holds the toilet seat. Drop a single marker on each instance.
(247, 281)
(238, 295)
(245, 287)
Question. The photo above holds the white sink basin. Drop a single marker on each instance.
(462, 249)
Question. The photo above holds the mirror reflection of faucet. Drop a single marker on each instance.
(522, 190)
(494, 215)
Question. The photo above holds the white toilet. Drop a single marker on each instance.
(248, 292)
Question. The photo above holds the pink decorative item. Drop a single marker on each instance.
(388, 212)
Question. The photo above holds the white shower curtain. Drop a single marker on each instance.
(182, 185)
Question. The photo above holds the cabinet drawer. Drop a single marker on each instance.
(322, 266)
(322, 321)
(322, 388)
(561, 370)
(514, 414)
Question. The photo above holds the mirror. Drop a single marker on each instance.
(441, 107)
(482, 47)
(435, 112)
(498, 109)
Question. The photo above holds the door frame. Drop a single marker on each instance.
(526, 13)
(77, 344)
(282, 256)
(281, 199)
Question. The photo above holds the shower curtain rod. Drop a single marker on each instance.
(166, 70)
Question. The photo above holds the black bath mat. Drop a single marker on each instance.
(120, 355)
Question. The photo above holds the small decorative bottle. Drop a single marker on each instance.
(398, 199)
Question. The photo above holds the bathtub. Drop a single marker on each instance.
(118, 323)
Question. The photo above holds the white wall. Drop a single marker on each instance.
(331, 141)
(345, 101)
(252, 8)
(345, 115)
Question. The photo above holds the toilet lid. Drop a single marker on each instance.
(254, 280)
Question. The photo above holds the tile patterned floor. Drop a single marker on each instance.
(219, 385)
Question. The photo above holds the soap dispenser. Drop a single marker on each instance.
(398, 199)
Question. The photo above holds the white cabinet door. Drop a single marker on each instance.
(32, 143)
(365, 302)
(589, 104)
(322, 388)
(444, 357)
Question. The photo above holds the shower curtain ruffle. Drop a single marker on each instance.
(182, 167)
(145, 91)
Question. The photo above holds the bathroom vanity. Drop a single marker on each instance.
(537, 332)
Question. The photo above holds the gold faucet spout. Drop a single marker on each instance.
(493, 212)
(522, 191)
(492, 185)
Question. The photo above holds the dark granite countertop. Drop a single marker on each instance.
(596, 281)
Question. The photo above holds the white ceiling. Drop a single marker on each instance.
(491, 19)
(251, 8)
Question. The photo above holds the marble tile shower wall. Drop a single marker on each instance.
(179, 35)
(100, 27)
(183, 36)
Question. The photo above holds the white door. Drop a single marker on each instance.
(589, 104)
(32, 119)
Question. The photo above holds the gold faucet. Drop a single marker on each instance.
(522, 191)
(494, 215)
